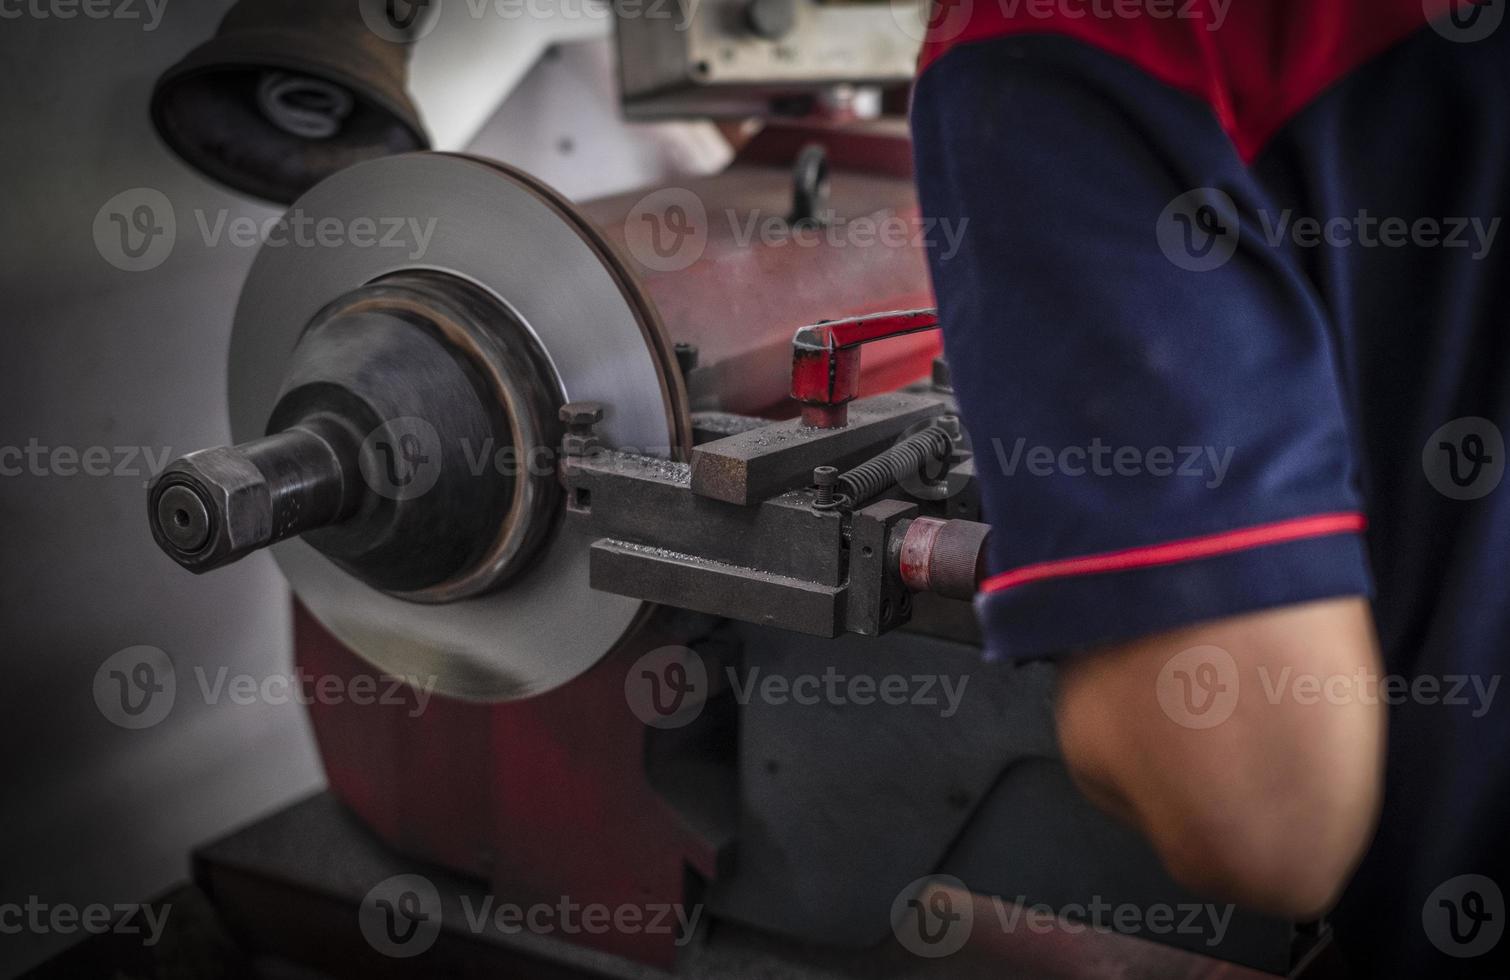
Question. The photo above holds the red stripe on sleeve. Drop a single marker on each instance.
(1186, 549)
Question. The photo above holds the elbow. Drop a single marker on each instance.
(1289, 859)
(1277, 871)
(1273, 807)
(1282, 840)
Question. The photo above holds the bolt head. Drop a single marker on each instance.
(237, 504)
(582, 413)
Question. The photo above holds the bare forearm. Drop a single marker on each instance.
(1270, 804)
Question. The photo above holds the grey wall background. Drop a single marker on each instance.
(93, 356)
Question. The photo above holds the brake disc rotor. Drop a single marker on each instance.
(506, 233)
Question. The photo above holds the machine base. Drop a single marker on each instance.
(283, 898)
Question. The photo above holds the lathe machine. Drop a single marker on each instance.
(679, 525)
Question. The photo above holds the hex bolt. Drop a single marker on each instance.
(213, 507)
(950, 425)
(580, 419)
(582, 413)
(826, 479)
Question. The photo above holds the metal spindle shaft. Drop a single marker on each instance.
(215, 506)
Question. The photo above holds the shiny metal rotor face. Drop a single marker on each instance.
(502, 231)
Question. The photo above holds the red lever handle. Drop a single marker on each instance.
(826, 360)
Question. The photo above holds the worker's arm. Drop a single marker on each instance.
(1270, 807)
(1153, 387)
